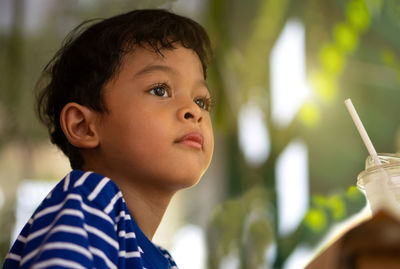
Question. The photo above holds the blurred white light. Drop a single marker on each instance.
(36, 13)
(288, 73)
(189, 248)
(29, 195)
(292, 186)
(230, 261)
(299, 258)
(253, 135)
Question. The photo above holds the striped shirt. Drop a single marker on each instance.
(84, 222)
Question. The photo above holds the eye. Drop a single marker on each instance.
(160, 90)
(203, 102)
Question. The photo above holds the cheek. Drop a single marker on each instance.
(210, 138)
(147, 135)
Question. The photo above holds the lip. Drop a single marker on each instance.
(193, 139)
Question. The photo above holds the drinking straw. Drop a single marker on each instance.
(362, 131)
(378, 193)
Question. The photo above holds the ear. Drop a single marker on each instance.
(79, 125)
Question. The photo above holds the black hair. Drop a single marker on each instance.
(91, 55)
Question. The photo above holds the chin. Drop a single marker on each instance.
(184, 183)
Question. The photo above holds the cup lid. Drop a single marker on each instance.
(388, 160)
(385, 158)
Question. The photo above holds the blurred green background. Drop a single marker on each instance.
(351, 49)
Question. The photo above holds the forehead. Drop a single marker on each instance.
(145, 59)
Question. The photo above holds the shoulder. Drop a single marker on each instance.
(72, 218)
(88, 188)
(84, 197)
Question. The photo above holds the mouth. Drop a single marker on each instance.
(193, 139)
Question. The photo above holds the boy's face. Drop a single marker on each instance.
(157, 131)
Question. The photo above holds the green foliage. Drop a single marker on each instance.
(393, 6)
(328, 210)
(342, 38)
(241, 226)
(390, 59)
(316, 220)
(357, 15)
(333, 55)
(375, 6)
(332, 59)
(345, 37)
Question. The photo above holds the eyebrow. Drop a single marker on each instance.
(204, 83)
(157, 67)
(165, 68)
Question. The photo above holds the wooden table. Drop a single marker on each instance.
(374, 243)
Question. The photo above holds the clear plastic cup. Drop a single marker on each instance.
(381, 183)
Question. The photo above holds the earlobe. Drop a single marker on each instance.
(78, 125)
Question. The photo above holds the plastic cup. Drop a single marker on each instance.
(381, 183)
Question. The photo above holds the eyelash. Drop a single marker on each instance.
(163, 85)
(208, 101)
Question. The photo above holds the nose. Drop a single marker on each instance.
(190, 112)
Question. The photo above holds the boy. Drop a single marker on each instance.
(127, 102)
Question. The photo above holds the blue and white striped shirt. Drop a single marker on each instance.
(84, 222)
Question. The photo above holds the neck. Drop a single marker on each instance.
(146, 205)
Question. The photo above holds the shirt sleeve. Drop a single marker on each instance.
(70, 234)
(168, 256)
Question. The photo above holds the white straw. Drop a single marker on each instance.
(362, 131)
